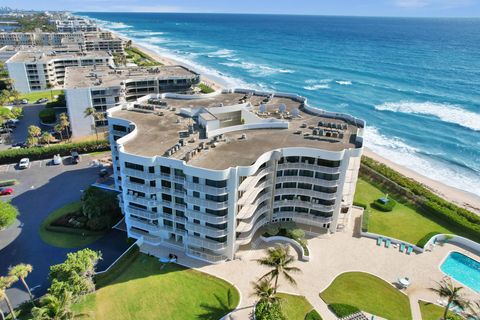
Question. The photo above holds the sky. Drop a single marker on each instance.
(420, 8)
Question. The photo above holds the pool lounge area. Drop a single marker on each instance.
(462, 269)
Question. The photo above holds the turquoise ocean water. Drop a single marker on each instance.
(415, 81)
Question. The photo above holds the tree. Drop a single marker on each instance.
(75, 275)
(264, 291)
(100, 207)
(446, 289)
(90, 112)
(15, 95)
(34, 131)
(17, 112)
(5, 283)
(63, 121)
(21, 271)
(279, 260)
(55, 308)
(59, 129)
(264, 311)
(47, 137)
(8, 214)
(474, 308)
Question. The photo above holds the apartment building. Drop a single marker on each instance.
(104, 87)
(39, 70)
(75, 24)
(103, 41)
(206, 174)
(6, 52)
(40, 38)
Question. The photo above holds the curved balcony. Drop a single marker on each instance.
(304, 218)
(248, 210)
(252, 180)
(207, 203)
(206, 217)
(305, 204)
(246, 237)
(140, 200)
(307, 166)
(206, 243)
(245, 226)
(304, 192)
(146, 237)
(144, 213)
(143, 225)
(251, 193)
(208, 231)
(311, 180)
(139, 187)
(205, 189)
(137, 174)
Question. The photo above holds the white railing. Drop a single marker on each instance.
(205, 189)
(249, 209)
(143, 225)
(206, 243)
(209, 231)
(251, 193)
(302, 217)
(246, 237)
(137, 173)
(207, 203)
(245, 226)
(206, 256)
(139, 187)
(205, 217)
(140, 200)
(307, 166)
(304, 192)
(144, 213)
(300, 203)
(311, 180)
(252, 180)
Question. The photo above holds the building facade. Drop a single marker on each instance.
(40, 38)
(203, 174)
(104, 87)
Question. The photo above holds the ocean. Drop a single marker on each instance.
(416, 81)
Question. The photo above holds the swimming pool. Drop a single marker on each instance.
(463, 269)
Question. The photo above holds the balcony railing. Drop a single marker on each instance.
(302, 217)
(311, 180)
(206, 243)
(304, 192)
(305, 204)
(206, 256)
(209, 231)
(307, 166)
(205, 189)
(207, 203)
(138, 173)
(140, 200)
(205, 217)
(139, 187)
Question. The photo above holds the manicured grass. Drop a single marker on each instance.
(61, 239)
(368, 293)
(140, 58)
(32, 97)
(402, 222)
(294, 307)
(431, 311)
(148, 289)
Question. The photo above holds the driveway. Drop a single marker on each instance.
(42, 189)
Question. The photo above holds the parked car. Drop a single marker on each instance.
(42, 100)
(19, 145)
(24, 101)
(24, 163)
(57, 159)
(75, 156)
(103, 173)
(5, 191)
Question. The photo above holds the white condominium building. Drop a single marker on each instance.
(39, 38)
(104, 87)
(103, 41)
(75, 25)
(39, 70)
(6, 52)
(204, 174)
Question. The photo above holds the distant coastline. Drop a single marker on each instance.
(460, 197)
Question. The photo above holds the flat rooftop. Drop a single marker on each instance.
(159, 131)
(84, 77)
(41, 55)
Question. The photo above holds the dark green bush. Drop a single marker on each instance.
(59, 103)
(365, 220)
(342, 310)
(39, 153)
(205, 88)
(101, 208)
(8, 214)
(359, 204)
(422, 242)
(104, 278)
(47, 115)
(385, 207)
(7, 183)
(265, 311)
(313, 315)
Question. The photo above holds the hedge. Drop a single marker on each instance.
(71, 230)
(422, 242)
(47, 116)
(360, 204)
(429, 202)
(313, 315)
(342, 310)
(385, 207)
(104, 278)
(8, 214)
(365, 220)
(39, 153)
(7, 183)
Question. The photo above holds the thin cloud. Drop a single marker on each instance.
(437, 4)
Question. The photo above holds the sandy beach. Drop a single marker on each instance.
(462, 198)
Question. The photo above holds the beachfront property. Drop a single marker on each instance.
(39, 38)
(103, 41)
(103, 87)
(204, 174)
(75, 24)
(6, 52)
(41, 69)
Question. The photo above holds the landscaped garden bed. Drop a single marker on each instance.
(296, 307)
(289, 230)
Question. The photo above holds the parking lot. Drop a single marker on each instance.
(41, 189)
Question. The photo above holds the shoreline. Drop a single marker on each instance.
(459, 197)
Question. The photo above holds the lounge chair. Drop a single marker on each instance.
(409, 250)
(387, 243)
(379, 241)
(402, 247)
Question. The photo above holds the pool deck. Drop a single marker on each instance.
(332, 255)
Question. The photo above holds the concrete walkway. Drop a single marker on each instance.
(332, 256)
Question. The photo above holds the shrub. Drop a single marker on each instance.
(422, 242)
(360, 204)
(101, 208)
(8, 214)
(365, 220)
(296, 234)
(47, 115)
(39, 153)
(265, 311)
(385, 207)
(313, 315)
(6, 183)
(342, 310)
(205, 88)
(59, 103)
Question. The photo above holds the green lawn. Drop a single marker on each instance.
(402, 223)
(148, 289)
(432, 311)
(61, 239)
(294, 307)
(368, 293)
(35, 95)
(140, 58)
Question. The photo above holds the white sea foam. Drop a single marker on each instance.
(444, 111)
(222, 53)
(398, 151)
(117, 25)
(344, 82)
(317, 87)
(316, 81)
(255, 68)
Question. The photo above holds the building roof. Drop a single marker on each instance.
(161, 130)
(103, 76)
(46, 55)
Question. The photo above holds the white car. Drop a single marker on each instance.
(24, 163)
(57, 159)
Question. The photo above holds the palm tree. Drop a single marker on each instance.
(46, 137)
(279, 260)
(446, 289)
(5, 283)
(90, 112)
(264, 291)
(21, 271)
(59, 129)
(474, 308)
(56, 308)
(63, 121)
(15, 95)
(34, 131)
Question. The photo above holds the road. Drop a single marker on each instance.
(44, 188)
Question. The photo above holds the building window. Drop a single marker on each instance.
(195, 180)
(166, 184)
(196, 234)
(137, 180)
(222, 226)
(179, 214)
(153, 183)
(165, 170)
(306, 173)
(133, 166)
(328, 163)
(167, 210)
(290, 185)
(216, 183)
(196, 208)
(196, 221)
(136, 205)
(116, 127)
(290, 173)
(221, 198)
(196, 194)
(306, 186)
(179, 187)
(179, 201)
(219, 213)
(179, 173)
(151, 169)
(166, 197)
(221, 240)
(180, 226)
(167, 223)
